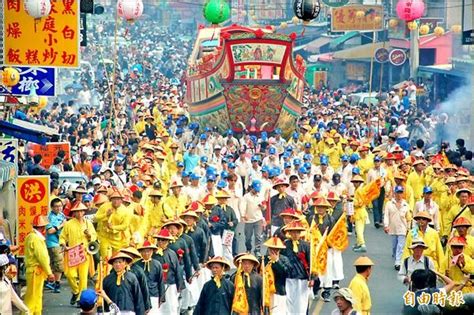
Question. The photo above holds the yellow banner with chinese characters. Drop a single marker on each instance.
(32, 197)
(357, 18)
(52, 41)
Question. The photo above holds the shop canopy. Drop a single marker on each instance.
(315, 45)
(7, 171)
(362, 52)
(26, 131)
(342, 39)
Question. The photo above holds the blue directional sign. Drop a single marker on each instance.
(42, 79)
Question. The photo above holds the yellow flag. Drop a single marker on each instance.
(371, 191)
(322, 255)
(314, 238)
(269, 284)
(240, 304)
(338, 237)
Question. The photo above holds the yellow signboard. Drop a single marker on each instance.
(357, 18)
(32, 199)
(51, 41)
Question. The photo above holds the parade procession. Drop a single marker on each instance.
(208, 157)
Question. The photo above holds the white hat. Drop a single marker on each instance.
(3, 260)
(96, 181)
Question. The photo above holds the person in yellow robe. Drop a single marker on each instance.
(457, 264)
(359, 287)
(37, 265)
(462, 226)
(431, 238)
(175, 204)
(140, 124)
(457, 210)
(366, 161)
(155, 212)
(360, 213)
(416, 179)
(77, 232)
(334, 153)
(115, 220)
(138, 220)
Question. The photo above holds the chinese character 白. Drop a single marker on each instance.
(68, 33)
(409, 298)
(455, 298)
(14, 30)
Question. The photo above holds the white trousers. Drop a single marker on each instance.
(155, 306)
(190, 295)
(273, 229)
(278, 304)
(334, 270)
(297, 293)
(217, 245)
(171, 306)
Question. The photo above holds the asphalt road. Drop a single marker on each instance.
(386, 290)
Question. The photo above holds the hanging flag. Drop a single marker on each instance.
(338, 237)
(240, 304)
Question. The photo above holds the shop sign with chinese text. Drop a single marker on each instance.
(41, 79)
(9, 150)
(51, 41)
(32, 199)
(346, 18)
(50, 150)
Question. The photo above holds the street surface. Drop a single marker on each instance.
(384, 286)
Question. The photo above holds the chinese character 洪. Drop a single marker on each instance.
(14, 30)
(26, 83)
(32, 192)
(409, 298)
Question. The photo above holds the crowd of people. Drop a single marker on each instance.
(189, 218)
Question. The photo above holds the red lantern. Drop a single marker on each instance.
(409, 10)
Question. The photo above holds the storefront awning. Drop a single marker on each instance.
(362, 52)
(340, 40)
(321, 58)
(22, 133)
(442, 69)
(315, 45)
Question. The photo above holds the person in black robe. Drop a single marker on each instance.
(253, 282)
(279, 203)
(199, 237)
(122, 286)
(139, 273)
(172, 273)
(217, 294)
(231, 218)
(288, 215)
(154, 274)
(203, 223)
(280, 267)
(180, 247)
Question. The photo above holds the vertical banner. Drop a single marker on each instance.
(32, 199)
(51, 41)
(9, 150)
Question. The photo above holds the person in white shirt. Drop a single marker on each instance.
(416, 261)
(271, 160)
(394, 100)
(242, 167)
(429, 205)
(344, 299)
(296, 191)
(193, 191)
(238, 184)
(7, 293)
(278, 141)
(345, 170)
(395, 223)
(252, 216)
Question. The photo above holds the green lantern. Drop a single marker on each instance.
(216, 11)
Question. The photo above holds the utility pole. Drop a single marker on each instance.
(414, 52)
